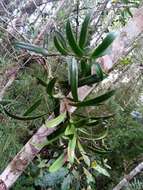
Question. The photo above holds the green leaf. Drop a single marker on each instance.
(89, 80)
(84, 31)
(33, 107)
(85, 121)
(61, 39)
(97, 117)
(71, 148)
(47, 142)
(99, 71)
(96, 138)
(101, 49)
(43, 83)
(81, 122)
(30, 47)
(56, 121)
(102, 136)
(73, 78)
(94, 101)
(71, 39)
(98, 150)
(5, 102)
(129, 12)
(92, 123)
(85, 68)
(89, 176)
(23, 117)
(83, 153)
(59, 46)
(56, 106)
(50, 86)
(100, 170)
(57, 164)
(70, 129)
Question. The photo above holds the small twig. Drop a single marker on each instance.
(77, 18)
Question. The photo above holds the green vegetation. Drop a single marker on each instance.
(90, 149)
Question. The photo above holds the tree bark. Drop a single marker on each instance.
(126, 37)
(124, 182)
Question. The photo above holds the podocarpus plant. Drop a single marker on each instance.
(80, 62)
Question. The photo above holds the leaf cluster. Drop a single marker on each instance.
(80, 60)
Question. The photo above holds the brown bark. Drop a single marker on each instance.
(126, 37)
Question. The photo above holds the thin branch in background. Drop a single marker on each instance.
(15, 30)
(77, 18)
(5, 9)
(125, 181)
(49, 23)
(38, 16)
(102, 10)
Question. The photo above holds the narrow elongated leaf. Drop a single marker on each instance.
(94, 101)
(43, 83)
(89, 176)
(99, 71)
(96, 138)
(84, 31)
(71, 148)
(98, 168)
(70, 129)
(33, 107)
(83, 153)
(50, 86)
(56, 106)
(85, 122)
(22, 117)
(73, 78)
(47, 142)
(56, 121)
(60, 130)
(85, 68)
(84, 131)
(59, 46)
(5, 102)
(30, 47)
(98, 150)
(57, 164)
(52, 138)
(101, 49)
(97, 117)
(81, 122)
(61, 39)
(129, 11)
(103, 136)
(71, 39)
(92, 123)
(89, 80)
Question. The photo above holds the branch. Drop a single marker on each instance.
(127, 36)
(127, 178)
(50, 23)
(37, 40)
